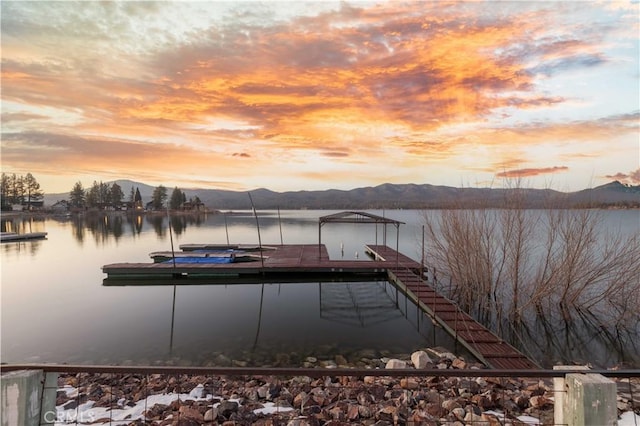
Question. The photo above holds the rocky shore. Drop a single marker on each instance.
(130, 399)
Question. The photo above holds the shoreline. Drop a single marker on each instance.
(299, 400)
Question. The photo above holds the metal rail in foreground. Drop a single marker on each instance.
(309, 372)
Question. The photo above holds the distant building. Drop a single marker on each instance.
(193, 206)
(61, 207)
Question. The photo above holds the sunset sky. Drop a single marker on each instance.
(318, 95)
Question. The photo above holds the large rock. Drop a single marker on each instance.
(211, 414)
(409, 383)
(476, 420)
(420, 359)
(442, 353)
(190, 413)
(300, 399)
(459, 364)
(226, 408)
(394, 364)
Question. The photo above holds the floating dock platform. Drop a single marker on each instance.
(298, 259)
(287, 262)
(13, 236)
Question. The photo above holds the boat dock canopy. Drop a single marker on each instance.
(360, 218)
(357, 217)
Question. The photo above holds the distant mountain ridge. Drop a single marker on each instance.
(393, 196)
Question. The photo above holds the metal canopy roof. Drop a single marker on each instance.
(361, 218)
(357, 217)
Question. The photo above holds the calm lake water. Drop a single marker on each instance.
(56, 308)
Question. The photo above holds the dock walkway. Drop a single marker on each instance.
(480, 341)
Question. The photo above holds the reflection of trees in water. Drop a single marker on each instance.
(580, 338)
(98, 225)
(103, 226)
(157, 222)
(22, 224)
(179, 222)
(30, 247)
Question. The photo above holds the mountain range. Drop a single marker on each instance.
(392, 196)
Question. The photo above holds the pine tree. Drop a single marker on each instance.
(137, 200)
(176, 199)
(77, 195)
(115, 195)
(31, 189)
(159, 196)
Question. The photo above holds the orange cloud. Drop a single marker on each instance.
(405, 83)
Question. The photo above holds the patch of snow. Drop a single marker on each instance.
(197, 392)
(87, 414)
(270, 408)
(69, 390)
(629, 418)
(529, 420)
(499, 414)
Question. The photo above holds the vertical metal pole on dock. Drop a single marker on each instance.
(226, 229)
(422, 261)
(384, 232)
(397, 244)
(319, 240)
(376, 233)
(280, 223)
(173, 255)
(255, 213)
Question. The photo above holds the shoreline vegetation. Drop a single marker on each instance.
(23, 192)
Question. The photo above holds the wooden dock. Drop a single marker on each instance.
(312, 261)
(480, 341)
(13, 236)
(298, 259)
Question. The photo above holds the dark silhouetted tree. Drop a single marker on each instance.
(32, 189)
(115, 195)
(159, 197)
(137, 199)
(77, 195)
(177, 197)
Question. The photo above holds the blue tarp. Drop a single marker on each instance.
(201, 260)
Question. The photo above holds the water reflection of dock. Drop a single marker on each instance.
(359, 304)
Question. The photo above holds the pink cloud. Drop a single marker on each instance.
(532, 171)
